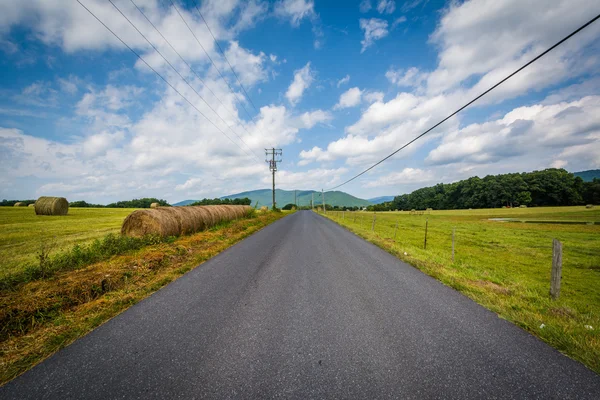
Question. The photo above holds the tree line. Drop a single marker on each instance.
(549, 187)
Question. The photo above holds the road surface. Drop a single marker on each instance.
(305, 309)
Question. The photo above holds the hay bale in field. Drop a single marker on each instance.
(19, 204)
(175, 221)
(522, 206)
(589, 206)
(51, 206)
(264, 208)
(154, 205)
(31, 205)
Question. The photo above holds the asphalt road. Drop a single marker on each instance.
(305, 309)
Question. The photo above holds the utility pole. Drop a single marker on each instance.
(312, 202)
(275, 158)
(295, 200)
(323, 196)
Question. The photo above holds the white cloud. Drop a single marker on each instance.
(374, 29)
(409, 78)
(398, 21)
(99, 143)
(343, 81)
(365, 6)
(406, 176)
(249, 66)
(559, 164)
(318, 177)
(372, 97)
(310, 119)
(349, 98)
(386, 6)
(295, 10)
(303, 78)
(541, 129)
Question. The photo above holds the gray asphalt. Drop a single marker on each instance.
(305, 309)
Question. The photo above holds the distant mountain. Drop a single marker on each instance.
(283, 197)
(185, 202)
(589, 175)
(381, 199)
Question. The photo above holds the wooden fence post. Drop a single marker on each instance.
(373, 226)
(425, 243)
(453, 229)
(556, 269)
(395, 230)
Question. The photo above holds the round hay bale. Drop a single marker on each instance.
(19, 204)
(175, 221)
(51, 206)
(264, 208)
(589, 206)
(154, 205)
(31, 205)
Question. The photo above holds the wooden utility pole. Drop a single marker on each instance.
(556, 269)
(323, 196)
(275, 158)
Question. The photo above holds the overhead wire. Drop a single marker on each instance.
(230, 112)
(160, 76)
(224, 56)
(210, 58)
(181, 76)
(582, 27)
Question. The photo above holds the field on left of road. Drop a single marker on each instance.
(40, 314)
(23, 234)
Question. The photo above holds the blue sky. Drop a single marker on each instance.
(337, 85)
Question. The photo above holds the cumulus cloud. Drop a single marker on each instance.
(349, 98)
(365, 6)
(318, 177)
(374, 29)
(303, 78)
(409, 78)
(552, 129)
(295, 10)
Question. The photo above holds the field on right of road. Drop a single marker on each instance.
(506, 266)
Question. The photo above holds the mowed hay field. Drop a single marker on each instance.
(505, 266)
(22, 233)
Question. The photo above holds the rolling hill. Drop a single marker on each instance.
(283, 197)
(589, 175)
(381, 199)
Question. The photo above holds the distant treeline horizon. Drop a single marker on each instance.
(549, 187)
(136, 203)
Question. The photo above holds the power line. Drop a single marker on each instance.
(224, 56)
(160, 76)
(211, 60)
(475, 99)
(232, 113)
(181, 76)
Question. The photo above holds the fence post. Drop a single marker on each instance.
(373, 226)
(354, 212)
(425, 243)
(395, 230)
(453, 229)
(556, 269)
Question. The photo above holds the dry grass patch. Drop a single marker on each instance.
(40, 317)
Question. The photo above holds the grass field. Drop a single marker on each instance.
(505, 266)
(100, 274)
(22, 233)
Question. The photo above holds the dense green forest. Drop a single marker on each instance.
(11, 203)
(550, 187)
(208, 202)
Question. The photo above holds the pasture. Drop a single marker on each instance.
(23, 234)
(505, 266)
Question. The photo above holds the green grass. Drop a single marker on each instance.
(505, 266)
(23, 234)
